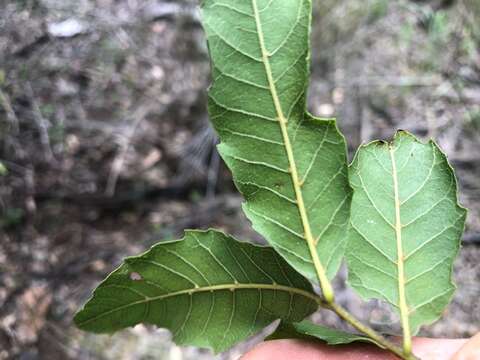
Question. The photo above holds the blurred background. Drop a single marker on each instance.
(105, 146)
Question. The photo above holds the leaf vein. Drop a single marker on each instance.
(268, 189)
(240, 80)
(428, 177)
(206, 248)
(290, 32)
(253, 137)
(426, 242)
(373, 266)
(426, 271)
(315, 155)
(369, 197)
(233, 47)
(259, 163)
(367, 240)
(277, 223)
(232, 8)
(240, 111)
(168, 269)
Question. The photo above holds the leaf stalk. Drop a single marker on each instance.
(381, 340)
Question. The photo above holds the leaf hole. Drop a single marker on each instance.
(135, 276)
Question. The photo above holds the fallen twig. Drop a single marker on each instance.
(41, 123)
(117, 165)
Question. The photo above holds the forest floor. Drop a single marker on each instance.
(107, 149)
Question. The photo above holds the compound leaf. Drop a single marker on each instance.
(306, 330)
(406, 226)
(208, 289)
(290, 167)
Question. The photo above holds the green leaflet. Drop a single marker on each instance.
(309, 331)
(404, 215)
(290, 167)
(208, 289)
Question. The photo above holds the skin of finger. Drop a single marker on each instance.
(470, 350)
(427, 349)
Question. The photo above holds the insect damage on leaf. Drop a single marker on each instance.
(209, 289)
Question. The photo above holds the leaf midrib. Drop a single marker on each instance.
(297, 183)
(404, 312)
(212, 288)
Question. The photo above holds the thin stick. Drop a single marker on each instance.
(42, 124)
(117, 165)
